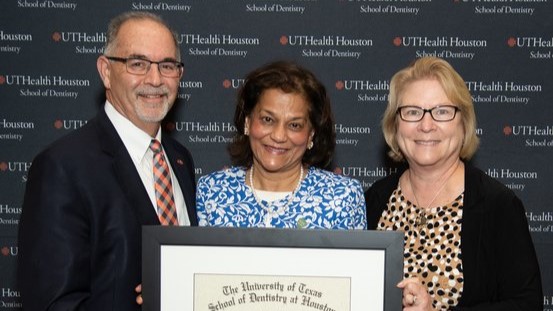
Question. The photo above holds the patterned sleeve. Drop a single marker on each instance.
(201, 192)
(358, 208)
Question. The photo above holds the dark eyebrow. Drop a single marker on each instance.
(294, 118)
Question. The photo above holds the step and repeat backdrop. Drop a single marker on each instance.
(49, 85)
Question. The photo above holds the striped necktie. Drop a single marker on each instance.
(166, 210)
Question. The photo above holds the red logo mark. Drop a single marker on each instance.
(3, 166)
(2, 79)
(226, 83)
(170, 126)
(511, 42)
(338, 171)
(339, 85)
(507, 130)
(58, 124)
(283, 40)
(56, 36)
(397, 41)
(5, 251)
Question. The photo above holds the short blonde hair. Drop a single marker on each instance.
(454, 87)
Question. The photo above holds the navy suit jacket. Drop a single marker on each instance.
(80, 227)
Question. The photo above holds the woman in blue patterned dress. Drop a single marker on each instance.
(285, 138)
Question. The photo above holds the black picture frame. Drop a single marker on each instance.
(182, 249)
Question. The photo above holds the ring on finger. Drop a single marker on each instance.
(414, 299)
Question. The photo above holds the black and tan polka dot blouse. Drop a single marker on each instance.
(432, 245)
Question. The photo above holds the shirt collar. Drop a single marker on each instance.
(135, 140)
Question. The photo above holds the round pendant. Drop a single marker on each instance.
(421, 220)
(302, 223)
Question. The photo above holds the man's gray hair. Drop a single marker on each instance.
(116, 22)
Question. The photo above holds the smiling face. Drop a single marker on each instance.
(428, 143)
(279, 131)
(143, 99)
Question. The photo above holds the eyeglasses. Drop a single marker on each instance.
(141, 66)
(438, 113)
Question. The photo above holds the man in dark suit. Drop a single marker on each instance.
(89, 193)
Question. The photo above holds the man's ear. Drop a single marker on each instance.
(104, 69)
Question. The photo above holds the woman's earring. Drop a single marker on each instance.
(310, 145)
(246, 131)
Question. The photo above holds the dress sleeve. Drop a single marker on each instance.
(201, 193)
(358, 211)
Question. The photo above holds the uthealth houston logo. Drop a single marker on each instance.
(527, 130)
(535, 136)
(330, 40)
(231, 83)
(69, 124)
(15, 166)
(9, 251)
(443, 41)
(530, 42)
(42, 80)
(362, 85)
(79, 37)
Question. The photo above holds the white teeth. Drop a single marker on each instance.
(275, 149)
(152, 95)
(426, 142)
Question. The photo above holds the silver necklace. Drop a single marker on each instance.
(421, 217)
(283, 207)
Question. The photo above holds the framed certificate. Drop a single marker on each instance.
(247, 269)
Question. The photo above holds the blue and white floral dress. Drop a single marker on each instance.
(324, 201)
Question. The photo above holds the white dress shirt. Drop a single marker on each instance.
(137, 143)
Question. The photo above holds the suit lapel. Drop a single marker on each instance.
(126, 173)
